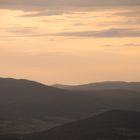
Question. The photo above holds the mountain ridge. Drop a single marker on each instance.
(111, 124)
(45, 107)
(102, 86)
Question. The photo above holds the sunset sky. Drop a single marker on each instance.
(70, 41)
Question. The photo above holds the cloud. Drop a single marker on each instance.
(122, 45)
(133, 12)
(132, 45)
(109, 33)
(60, 7)
(45, 13)
(131, 15)
(63, 4)
(20, 31)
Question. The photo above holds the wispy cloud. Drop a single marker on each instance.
(21, 30)
(133, 12)
(45, 13)
(109, 33)
(132, 45)
(49, 4)
(122, 45)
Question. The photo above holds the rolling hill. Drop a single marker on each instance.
(115, 124)
(107, 85)
(28, 106)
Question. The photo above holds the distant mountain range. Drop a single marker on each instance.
(24, 101)
(107, 85)
(111, 125)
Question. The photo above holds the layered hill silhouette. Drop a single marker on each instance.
(107, 85)
(116, 124)
(28, 100)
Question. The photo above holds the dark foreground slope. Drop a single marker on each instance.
(107, 85)
(27, 106)
(108, 125)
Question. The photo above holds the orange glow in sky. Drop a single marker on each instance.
(71, 43)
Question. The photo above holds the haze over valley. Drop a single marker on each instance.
(30, 107)
(69, 69)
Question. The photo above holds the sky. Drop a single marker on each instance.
(70, 41)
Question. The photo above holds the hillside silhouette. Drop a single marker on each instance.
(108, 125)
(32, 107)
(107, 85)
